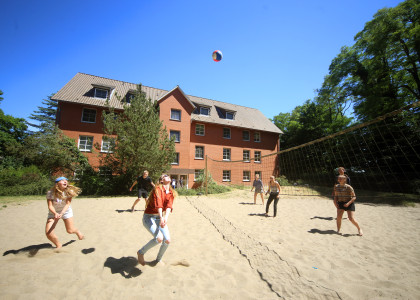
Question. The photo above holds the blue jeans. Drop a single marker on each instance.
(152, 224)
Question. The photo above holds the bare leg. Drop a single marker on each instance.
(350, 214)
(340, 213)
(71, 229)
(262, 198)
(255, 198)
(134, 204)
(49, 232)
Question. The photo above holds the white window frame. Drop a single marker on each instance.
(176, 160)
(108, 144)
(85, 143)
(227, 154)
(243, 138)
(226, 176)
(101, 89)
(85, 113)
(246, 176)
(226, 136)
(202, 152)
(246, 158)
(198, 131)
(257, 157)
(177, 135)
(173, 110)
(257, 137)
(197, 173)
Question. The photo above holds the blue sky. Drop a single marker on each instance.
(275, 53)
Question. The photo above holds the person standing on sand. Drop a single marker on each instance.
(155, 218)
(274, 190)
(144, 185)
(344, 198)
(259, 188)
(59, 199)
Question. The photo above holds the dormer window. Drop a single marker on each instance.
(204, 111)
(230, 115)
(101, 93)
(129, 97)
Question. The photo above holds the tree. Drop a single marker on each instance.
(140, 141)
(380, 72)
(45, 115)
(12, 131)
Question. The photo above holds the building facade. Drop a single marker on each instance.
(201, 127)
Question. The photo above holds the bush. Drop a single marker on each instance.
(24, 181)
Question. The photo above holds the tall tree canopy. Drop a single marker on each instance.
(140, 139)
(380, 72)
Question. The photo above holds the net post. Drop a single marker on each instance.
(205, 174)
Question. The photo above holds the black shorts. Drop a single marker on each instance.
(351, 207)
(143, 194)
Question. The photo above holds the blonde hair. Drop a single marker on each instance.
(70, 192)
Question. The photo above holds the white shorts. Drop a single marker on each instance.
(67, 214)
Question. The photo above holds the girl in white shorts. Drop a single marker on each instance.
(59, 200)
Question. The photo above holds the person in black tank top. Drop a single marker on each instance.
(144, 185)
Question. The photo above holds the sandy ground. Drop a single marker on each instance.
(222, 248)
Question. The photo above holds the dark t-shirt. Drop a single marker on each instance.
(144, 183)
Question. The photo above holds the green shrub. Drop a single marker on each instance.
(24, 181)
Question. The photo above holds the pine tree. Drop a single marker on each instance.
(45, 115)
(140, 140)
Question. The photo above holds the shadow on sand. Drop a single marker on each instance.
(125, 266)
(32, 250)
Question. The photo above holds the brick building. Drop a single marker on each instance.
(202, 127)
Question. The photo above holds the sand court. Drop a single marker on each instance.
(222, 248)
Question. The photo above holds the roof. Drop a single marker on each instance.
(80, 90)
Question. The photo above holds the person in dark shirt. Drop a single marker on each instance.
(144, 185)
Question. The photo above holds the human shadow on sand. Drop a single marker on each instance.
(258, 215)
(247, 203)
(125, 266)
(32, 250)
(88, 250)
(127, 210)
(323, 218)
(314, 230)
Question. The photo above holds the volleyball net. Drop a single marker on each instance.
(381, 157)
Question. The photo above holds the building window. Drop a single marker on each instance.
(175, 114)
(129, 97)
(89, 115)
(175, 135)
(226, 133)
(246, 176)
(204, 111)
(257, 137)
(257, 156)
(85, 143)
(226, 175)
(101, 93)
(105, 171)
(245, 135)
(198, 173)
(230, 115)
(107, 144)
(246, 155)
(226, 154)
(199, 152)
(176, 159)
(199, 129)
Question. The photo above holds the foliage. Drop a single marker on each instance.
(24, 181)
(95, 183)
(380, 72)
(45, 115)
(141, 140)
